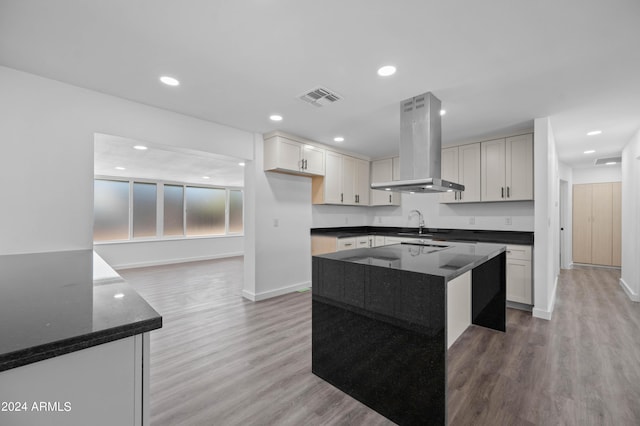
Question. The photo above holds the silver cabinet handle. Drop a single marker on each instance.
(389, 198)
(508, 192)
(342, 197)
(348, 245)
(502, 189)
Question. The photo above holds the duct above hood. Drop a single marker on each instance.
(420, 148)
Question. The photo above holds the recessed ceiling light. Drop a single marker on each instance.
(338, 139)
(443, 111)
(594, 132)
(118, 295)
(206, 177)
(386, 71)
(387, 189)
(241, 164)
(169, 81)
(275, 117)
(140, 147)
(120, 168)
(610, 163)
(591, 151)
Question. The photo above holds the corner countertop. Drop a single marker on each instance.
(50, 306)
(485, 236)
(441, 259)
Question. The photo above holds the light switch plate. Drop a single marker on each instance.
(507, 220)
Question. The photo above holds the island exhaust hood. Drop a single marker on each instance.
(420, 144)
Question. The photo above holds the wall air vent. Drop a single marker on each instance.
(320, 96)
(601, 161)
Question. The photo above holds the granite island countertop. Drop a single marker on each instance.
(442, 259)
(50, 306)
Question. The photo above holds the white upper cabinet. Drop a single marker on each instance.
(289, 156)
(449, 171)
(362, 183)
(346, 181)
(461, 164)
(519, 167)
(493, 165)
(384, 171)
(507, 169)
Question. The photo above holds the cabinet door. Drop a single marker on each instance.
(381, 171)
(492, 158)
(379, 241)
(449, 171)
(582, 195)
(288, 155)
(363, 186)
(601, 226)
(348, 180)
(469, 172)
(519, 280)
(616, 254)
(313, 160)
(519, 167)
(333, 178)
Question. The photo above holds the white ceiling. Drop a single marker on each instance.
(163, 163)
(496, 65)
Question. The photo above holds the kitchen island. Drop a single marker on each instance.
(383, 319)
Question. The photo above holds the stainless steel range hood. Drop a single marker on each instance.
(420, 144)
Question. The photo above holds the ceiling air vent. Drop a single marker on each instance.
(320, 96)
(601, 161)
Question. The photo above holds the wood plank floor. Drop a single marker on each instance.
(222, 360)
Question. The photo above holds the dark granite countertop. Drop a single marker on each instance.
(487, 236)
(442, 259)
(49, 306)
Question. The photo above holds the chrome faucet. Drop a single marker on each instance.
(420, 219)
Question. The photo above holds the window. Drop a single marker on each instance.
(205, 211)
(160, 210)
(235, 212)
(173, 211)
(144, 209)
(111, 210)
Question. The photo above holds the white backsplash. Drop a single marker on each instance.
(507, 216)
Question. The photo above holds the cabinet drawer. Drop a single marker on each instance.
(519, 252)
(362, 242)
(346, 243)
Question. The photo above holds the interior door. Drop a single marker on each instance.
(602, 224)
(582, 196)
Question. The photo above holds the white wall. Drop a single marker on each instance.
(493, 216)
(277, 230)
(630, 274)
(134, 254)
(327, 216)
(597, 174)
(546, 236)
(47, 131)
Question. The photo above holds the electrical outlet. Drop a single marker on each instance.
(472, 220)
(346, 220)
(507, 220)
(379, 219)
(276, 223)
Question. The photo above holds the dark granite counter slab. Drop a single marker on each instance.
(442, 259)
(49, 306)
(487, 236)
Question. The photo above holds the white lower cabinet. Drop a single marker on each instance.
(362, 242)
(519, 282)
(346, 243)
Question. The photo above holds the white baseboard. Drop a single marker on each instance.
(548, 312)
(634, 297)
(173, 261)
(256, 297)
